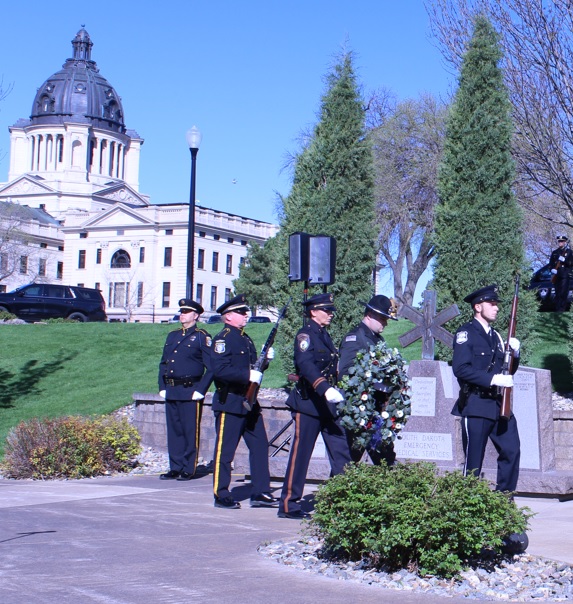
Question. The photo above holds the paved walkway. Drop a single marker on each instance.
(128, 540)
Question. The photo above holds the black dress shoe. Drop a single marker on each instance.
(171, 475)
(185, 476)
(264, 500)
(296, 515)
(227, 502)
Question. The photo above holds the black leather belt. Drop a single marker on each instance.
(183, 381)
(491, 392)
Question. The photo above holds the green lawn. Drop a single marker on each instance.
(94, 368)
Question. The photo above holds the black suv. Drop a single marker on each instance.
(545, 290)
(38, 301)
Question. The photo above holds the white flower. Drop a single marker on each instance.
(362, 422)
(364, 397)
(362, 408)
(372, 353)
(398, 426)
(367, 374)
(385, 414)
(399, 413)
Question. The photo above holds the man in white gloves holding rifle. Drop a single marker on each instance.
(313, 404)
(477, 363)
(233, 357)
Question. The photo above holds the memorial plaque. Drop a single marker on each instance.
(424, 445)
(525, 409)
(423, 396)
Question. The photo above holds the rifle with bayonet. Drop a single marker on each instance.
(507, 368)
(261, 363)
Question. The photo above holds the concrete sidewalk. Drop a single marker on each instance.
(136, 539)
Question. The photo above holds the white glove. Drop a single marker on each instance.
(197, 396)
(514, 344)
(561, 259)
(270, 354)
(333, 396)
(255, 376)
(506, 381)
(162, 393)
(553, 271)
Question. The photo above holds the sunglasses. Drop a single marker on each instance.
(241, 312)
(184, 311)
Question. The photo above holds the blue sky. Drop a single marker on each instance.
(249, 74)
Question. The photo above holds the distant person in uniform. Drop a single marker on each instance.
(313, 403)
(561, 261)
(477, 363)
(367, 333)
(233, 357)
(184, 378)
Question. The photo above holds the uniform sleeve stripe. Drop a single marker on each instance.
(318, 381)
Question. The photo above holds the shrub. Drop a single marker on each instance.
(70, 447)
(409, 516)
(58, 320)
(7, 316)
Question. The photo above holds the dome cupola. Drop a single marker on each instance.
(78, 93)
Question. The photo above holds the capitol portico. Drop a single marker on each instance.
(73, 191)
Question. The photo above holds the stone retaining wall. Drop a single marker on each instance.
(563, 425)
(149, 419)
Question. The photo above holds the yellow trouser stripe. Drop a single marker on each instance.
(218, 448)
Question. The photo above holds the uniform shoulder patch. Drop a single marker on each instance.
(219, 346)
(303, 341)
(351, 338)
(208, 341)
(461, 337)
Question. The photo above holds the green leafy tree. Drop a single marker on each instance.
(332, 194)
(257, 275)
(478, 226)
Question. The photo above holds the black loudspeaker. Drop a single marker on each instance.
(322, 260)
(298, 244)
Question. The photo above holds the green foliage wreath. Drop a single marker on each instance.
(377, 396)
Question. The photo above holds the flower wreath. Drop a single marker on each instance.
(376, 418)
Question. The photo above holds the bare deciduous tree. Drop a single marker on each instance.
(537, 40)
(407, 141)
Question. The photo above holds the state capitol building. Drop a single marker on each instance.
(71, 211)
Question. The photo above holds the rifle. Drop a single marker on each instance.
(505, 411)
(253, 387)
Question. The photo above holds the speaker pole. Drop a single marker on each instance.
(304, 299)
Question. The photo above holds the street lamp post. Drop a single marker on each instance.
(193, 140)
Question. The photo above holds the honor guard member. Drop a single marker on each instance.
(233, 357)
(313, 404)
(184, 378)
(477, 363)
(367, 333)
(561, 261)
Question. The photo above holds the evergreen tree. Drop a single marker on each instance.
(332, 194)
(256, 274)
(478, 228)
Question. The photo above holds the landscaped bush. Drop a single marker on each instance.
(70, 447)
(408, 516)
(7, 316)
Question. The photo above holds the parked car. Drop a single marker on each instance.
(545, 290)
(215, 319)
(38, 301)
(259, 320)
(174, 319)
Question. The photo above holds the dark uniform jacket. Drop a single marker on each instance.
(186, 360)
(233, 357)
(357, 339)
(564, 267)
(476, 360)
(315, 360)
